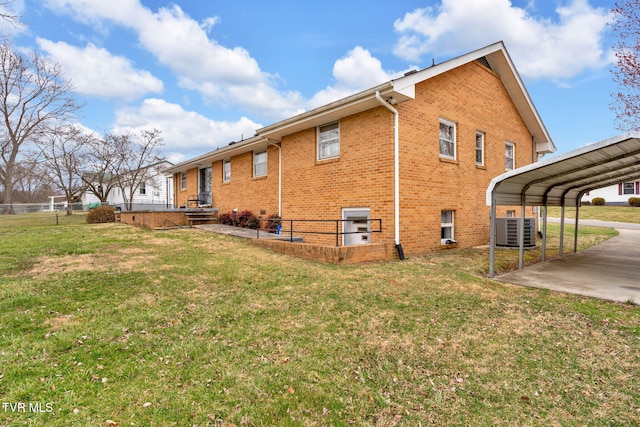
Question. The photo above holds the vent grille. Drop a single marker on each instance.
(507, 232)
(484, 62)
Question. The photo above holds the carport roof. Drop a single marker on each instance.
(563, 179)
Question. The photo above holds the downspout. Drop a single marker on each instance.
(279, 176)
(396, 174)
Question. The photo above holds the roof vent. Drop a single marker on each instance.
(408, 73)
(484, 62)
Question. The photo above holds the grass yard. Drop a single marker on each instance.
(107, 325)
(602, 213)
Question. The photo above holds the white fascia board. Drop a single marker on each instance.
(220, 154)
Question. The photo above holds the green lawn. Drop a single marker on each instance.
(114, 325)
(603, 213)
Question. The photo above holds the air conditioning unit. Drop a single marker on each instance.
(507, 232)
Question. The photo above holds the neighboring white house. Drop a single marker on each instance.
(617, 194)
(154, 193)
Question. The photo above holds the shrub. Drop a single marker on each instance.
(597, 201)
(101, 215)
(273, 221)
(634, 201)
(243, 219)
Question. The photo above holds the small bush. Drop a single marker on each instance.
(597, 201)
(634, 201)
(243, 219)
(272, 223)
(101, 215)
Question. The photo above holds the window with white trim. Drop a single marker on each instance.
(143, 188)
(329, 141)
(446, 227)
(259, 163)
(226, 170)
(447, 139)
(183, 180)
(509, 156)
(479, 148)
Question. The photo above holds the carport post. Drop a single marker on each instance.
(492, 236)
(575, 231)
(523, 206)
(544, 234)
(561, 228)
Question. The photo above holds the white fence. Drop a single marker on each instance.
(23, 208)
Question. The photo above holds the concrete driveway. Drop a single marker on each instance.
(610, 270)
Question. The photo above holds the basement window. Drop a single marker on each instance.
(446, 227)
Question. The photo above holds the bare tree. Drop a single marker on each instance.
(135, 156)
(626, 73)
(33, 96)
(103, 162)
(8, 15)
(64, 149)
(32, 183)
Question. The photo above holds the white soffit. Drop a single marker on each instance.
(563, 179)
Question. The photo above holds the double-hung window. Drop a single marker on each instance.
(226, 170)
(629, 188)
(479, 149)
(447, 139)
(329, 141)
(259, 163)
(446, 227)
(183, 180)
(509, 156)
(143, 188)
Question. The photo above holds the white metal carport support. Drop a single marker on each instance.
(492, 236)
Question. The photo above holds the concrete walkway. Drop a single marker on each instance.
(246, 233)
(610, 270)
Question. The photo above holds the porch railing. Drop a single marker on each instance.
(295, 227)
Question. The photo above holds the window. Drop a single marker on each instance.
(260, 163)
(183, 180)
(628, 188)
(447, 139)
(446, 227)
(143, 187)
(329, 141)
(509, 156)
(480, 148)
(511, 214)
(226, 170)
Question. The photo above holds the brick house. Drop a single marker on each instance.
(412, 156)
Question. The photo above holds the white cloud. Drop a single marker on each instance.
(200, 63)
(94, 71)
(541, 48)
(185, 133)
(356, 71)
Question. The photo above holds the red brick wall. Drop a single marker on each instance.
(244, 192)
(471, 95)
(361, 177)
(182, 196)
(474, 98)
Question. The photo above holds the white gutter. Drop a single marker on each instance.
(396, 168)
(279, 176)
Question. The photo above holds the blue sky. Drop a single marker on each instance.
(210, 72)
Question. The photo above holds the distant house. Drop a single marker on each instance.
(154, 192)
(617, 194)
(404, 164)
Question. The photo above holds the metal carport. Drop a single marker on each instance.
(562, 181)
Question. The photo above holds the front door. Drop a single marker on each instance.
(355, 226)
(204, 195)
